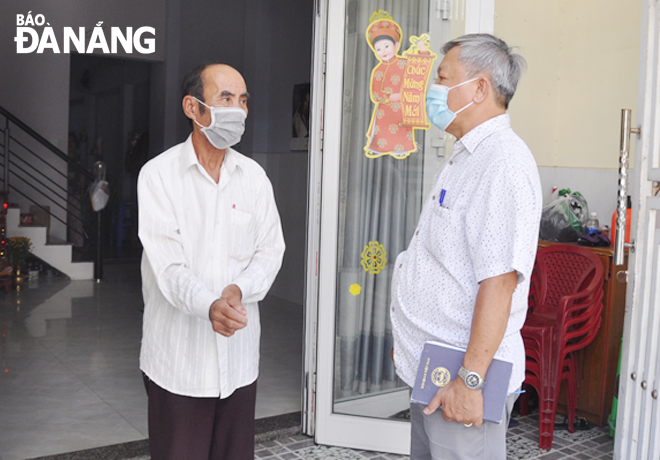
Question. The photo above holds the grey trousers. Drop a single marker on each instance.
(435, 439)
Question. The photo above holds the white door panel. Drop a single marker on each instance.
(638, 419)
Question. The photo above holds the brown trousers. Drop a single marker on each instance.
(183, 427)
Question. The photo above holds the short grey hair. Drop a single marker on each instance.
(485, 53)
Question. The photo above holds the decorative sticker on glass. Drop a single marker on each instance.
(373, 257)
(397, 88)
(355, 289)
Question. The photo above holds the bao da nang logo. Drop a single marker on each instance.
(30, 39)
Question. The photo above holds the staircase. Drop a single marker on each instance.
(34, 172)
(56, 255)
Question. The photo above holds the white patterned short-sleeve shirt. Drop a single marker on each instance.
(480, 220)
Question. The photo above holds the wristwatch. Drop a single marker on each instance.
(472, 380)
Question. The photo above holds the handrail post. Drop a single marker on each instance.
(6, 171)
(98, 265)
(103, 190)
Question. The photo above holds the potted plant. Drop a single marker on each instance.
(18, 249)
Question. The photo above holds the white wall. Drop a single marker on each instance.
(280, 43)
(583, 64)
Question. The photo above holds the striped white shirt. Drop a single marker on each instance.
(484, 224)
(198, 238)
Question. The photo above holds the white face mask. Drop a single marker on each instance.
(227, 126)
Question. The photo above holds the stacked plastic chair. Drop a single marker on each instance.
(565, 306)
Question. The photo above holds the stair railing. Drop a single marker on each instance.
(41, 174)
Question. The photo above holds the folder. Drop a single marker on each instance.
(439, 365)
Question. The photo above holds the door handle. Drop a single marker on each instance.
(624, 153)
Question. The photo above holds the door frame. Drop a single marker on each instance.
(317, 99)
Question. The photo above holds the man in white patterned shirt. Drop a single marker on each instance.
(464, 278)
(213, 245)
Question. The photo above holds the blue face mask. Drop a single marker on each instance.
(436, 105)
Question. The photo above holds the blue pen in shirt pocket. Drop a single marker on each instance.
(443, 192)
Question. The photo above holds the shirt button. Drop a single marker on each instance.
(433, 197)
(451, 162)
(400, 265)
(417, 232)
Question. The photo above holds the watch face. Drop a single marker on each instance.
(472, 380)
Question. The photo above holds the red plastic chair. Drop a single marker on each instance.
(565, 306)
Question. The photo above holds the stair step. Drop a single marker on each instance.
(54, 251)
(55, 241)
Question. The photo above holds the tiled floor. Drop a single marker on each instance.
(302, 447)
(522, 444)
(69, 377)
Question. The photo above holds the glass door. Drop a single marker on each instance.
(378, 161)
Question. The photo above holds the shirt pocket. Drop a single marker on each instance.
(439, 236)
(241, 235)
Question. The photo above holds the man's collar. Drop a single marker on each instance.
(230, 160)
(473, 138)
(189, 158)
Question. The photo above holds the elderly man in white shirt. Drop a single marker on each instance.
(213, 245)
(464, 278)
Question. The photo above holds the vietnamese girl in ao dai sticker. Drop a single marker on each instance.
(397, 89)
